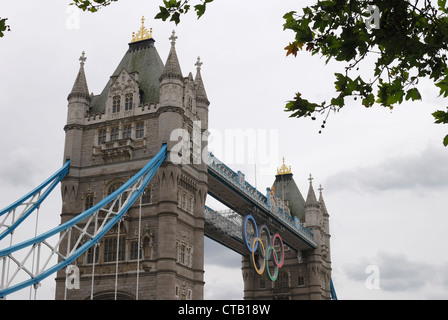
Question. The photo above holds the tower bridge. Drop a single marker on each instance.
(133, 220)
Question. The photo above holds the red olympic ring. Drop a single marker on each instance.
(265, 253)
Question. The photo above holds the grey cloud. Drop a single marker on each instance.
(428, 169)
(217, 254)
(17, 168)
(397, 273)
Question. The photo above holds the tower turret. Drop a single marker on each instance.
(313, 217)
(171, 80)
(202, 102)
(78, 105)
(79, 98)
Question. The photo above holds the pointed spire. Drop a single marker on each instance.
(311, 200)
(323, 207)
(172, 66)
(201, 95)
(80, 88)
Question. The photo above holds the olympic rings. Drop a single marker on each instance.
(264, 253)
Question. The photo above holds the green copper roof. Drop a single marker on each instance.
(286, 189)
(142, 57)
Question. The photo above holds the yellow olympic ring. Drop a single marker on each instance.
(260, 272)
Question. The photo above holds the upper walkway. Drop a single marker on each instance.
(231, 189)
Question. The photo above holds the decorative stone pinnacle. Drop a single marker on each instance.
(173, 38)
(284, 169)
(199, 64)
(142, 34)
(311, 179)
(83, 58)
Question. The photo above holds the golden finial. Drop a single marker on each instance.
(142, 34)
(284, 169)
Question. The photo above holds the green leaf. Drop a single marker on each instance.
(368, 101)
(441, 117)
(339, 101)
(3, 26)
(163, 14)
(300, 107)
(445, 141)
(443, 86)
(413, 94)
(175, 17)
(200, 9)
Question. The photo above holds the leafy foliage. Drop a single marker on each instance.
(171, 9)
(3, 26)
(409, 45)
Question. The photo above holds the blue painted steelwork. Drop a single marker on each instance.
(144, 175)
(52, 182)
(333, 291)
(236, 181)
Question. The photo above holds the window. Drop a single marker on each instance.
(282, 280)
(140, 131)
(114, 134)
(110, 249)
(146, 196)
(184, 254)
(90, 253)
(129, 100)
(102, 136)
(116, 104)
(301, 281)
(111, 189)
(134, 251)
(127, 132)
(88, 201)
(190, 103)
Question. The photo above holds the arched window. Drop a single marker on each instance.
(146, 196)
(129, 101)
(116, 104)
(102, 134)
(127, 131)
(134, 251)
(111, 188)
(114, 134)
(88, 201)
(140, 130)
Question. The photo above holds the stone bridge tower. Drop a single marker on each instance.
(110, 137)
(305, 275)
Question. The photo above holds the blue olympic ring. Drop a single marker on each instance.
(264, 253)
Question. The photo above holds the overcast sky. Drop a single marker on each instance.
(384, 173)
